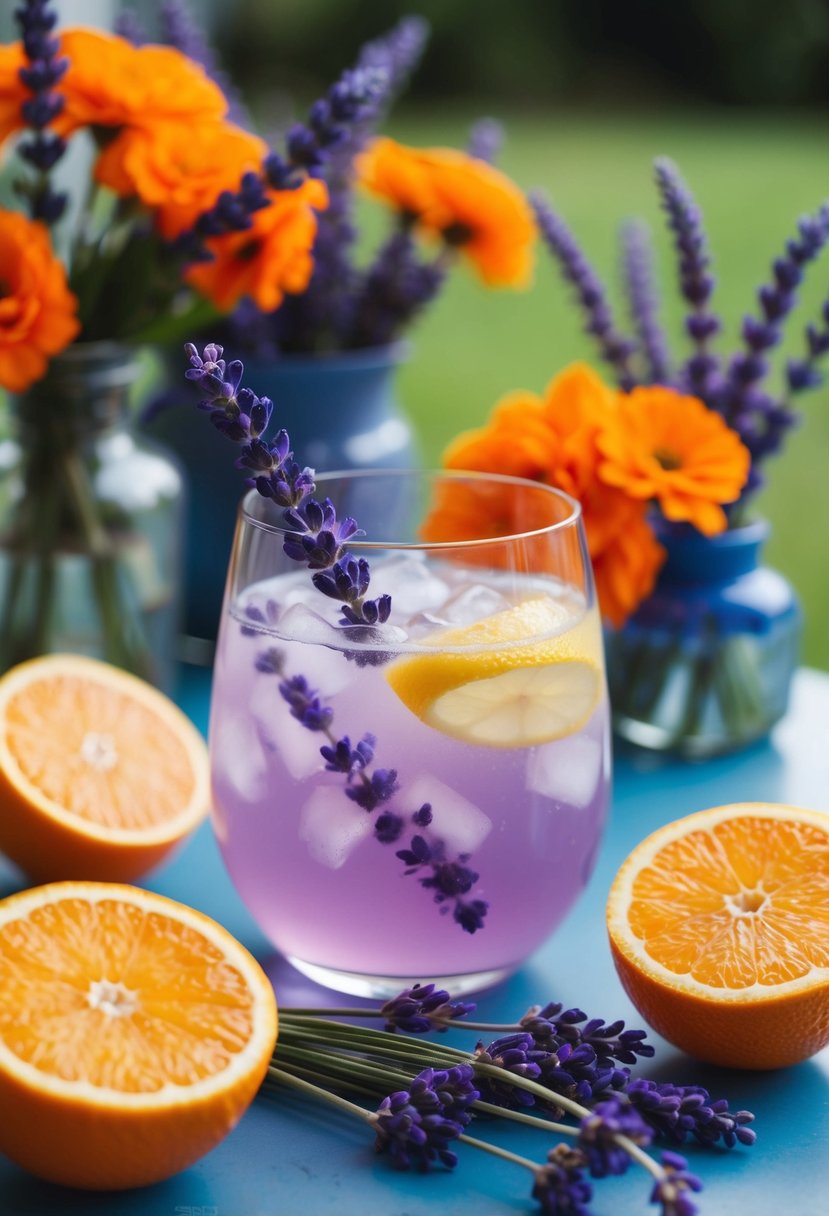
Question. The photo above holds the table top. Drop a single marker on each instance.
(290, 1155)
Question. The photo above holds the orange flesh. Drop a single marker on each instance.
(742, 903)
(123, 998)
(85, 746)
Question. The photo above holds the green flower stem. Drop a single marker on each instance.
(323, 1030)
(502, 1027)
(503, 1153)
(286, 1078)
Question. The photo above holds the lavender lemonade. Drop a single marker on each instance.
(419, 800)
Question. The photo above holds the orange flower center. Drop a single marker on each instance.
(457, 234)
(667, 458)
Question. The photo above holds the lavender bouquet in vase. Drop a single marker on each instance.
(704, 664)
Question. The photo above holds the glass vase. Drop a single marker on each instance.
(341, 411)
(90, 522)
(705, 664)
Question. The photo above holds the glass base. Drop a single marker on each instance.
(655, 738)
(382, 987)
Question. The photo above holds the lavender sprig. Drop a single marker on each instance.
(415, 1125)
(324, 314)
(615, 347)
(804, 373)
(448, 879)
(560, 1186)
(695, 279)
(45, 68)
(308, 146)
(761, 421)
(315, 537)
(425, 1120)
(421, 1008)
(396, 286)
(637, 264)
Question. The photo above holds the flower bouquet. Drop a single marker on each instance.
(185, 215)
(702, 641)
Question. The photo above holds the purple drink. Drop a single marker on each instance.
(484, 692)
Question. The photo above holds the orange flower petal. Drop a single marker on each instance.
(37, 313)
(271, 258)
(462, 199)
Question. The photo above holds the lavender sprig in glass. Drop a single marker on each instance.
(316, 538)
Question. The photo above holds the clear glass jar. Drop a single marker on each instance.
(90, 522)
(705, 664)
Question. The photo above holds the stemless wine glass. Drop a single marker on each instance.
(421, 799)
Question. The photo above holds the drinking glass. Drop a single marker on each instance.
(421, 799)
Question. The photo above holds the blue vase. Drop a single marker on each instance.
(704, 666)
(341, 413)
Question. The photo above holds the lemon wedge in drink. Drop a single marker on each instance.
(514, 679)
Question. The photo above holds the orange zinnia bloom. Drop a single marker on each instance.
(465, 201)
(177, 169)
(555, 439)
(269, 259)
(110, 83)
(664, 446)
(37, 309)
(12, 90)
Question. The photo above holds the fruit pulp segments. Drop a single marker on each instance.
(303, 856)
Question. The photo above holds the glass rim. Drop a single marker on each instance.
(571, 519)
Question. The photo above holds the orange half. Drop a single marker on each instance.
(719, 928)
(100, 773)
(134, 1032)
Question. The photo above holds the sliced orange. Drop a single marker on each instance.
(134, 1032)
(719, 927)
(100, 773)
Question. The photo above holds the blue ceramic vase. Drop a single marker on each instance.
(341, 412)
(704, 666)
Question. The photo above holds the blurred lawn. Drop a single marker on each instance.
(753, 174)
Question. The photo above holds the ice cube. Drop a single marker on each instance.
(567, 770)
(455, 820)
(303, 624)
(423, 624)
(332, 826)
(239, 756)
(474, 604)
(277, 731)
(412, 585)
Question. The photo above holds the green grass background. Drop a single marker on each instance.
(753, 174)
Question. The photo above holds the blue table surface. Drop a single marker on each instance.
(290, 1155)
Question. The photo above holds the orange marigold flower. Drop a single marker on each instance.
(555, 439)
(37, 309)
(12, 90)
(465, 201)
(665, 446)
(179, 170)
(111, 83)
(269, 259)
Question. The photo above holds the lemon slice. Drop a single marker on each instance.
(502, 690)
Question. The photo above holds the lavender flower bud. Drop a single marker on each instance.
(616, 350)
(643, 301)
(421, 1008)
(695, 280)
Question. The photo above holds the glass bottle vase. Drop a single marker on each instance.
(90, 522)
(705, 664)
